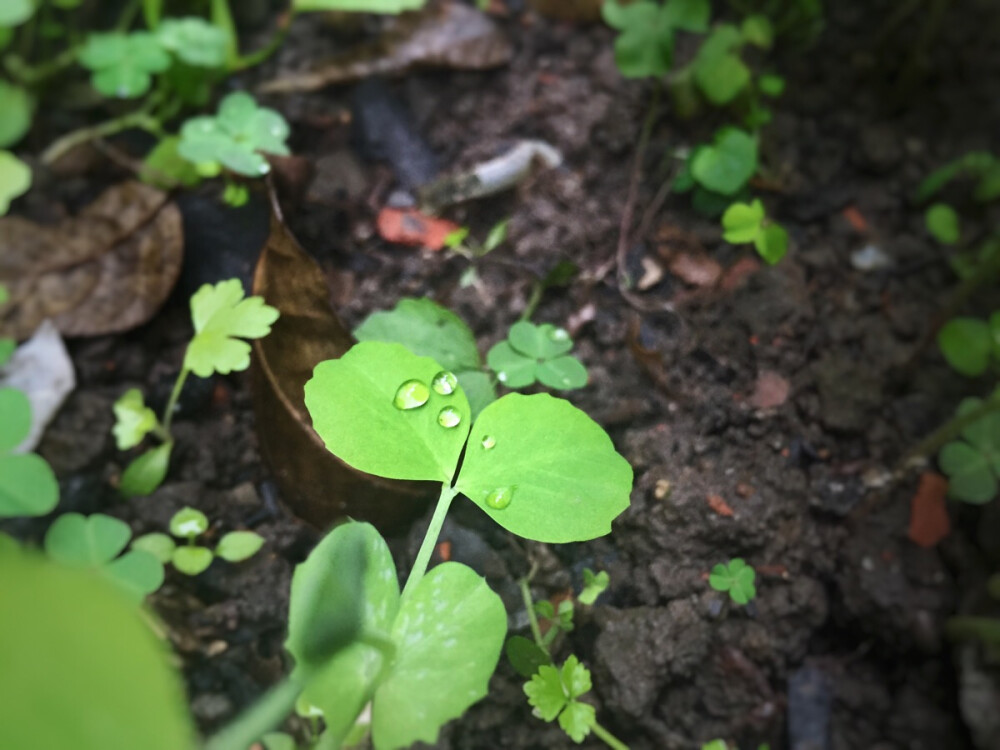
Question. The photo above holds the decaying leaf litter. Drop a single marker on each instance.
(852, 611)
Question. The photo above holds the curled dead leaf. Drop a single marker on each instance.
(317, 485)
(106, 270)
(448, 35)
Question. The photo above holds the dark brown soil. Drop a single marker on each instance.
(850, 613)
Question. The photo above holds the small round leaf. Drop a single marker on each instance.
(192, 560)
(237, 546)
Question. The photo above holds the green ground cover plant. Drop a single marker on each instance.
(222, 317)
(735, 578)
(28, 487)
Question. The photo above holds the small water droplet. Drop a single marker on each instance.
(489, 441)
(500, 498)
(449, 417)
(502, 377)
(558, 334)
(410, 395)
(444, 383)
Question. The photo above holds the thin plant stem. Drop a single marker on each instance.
(35, 74)
(430, 538)
(529, 606)
(537, 289)
(609, 739)
(260, 718)
(949, 431)
(139, 119)
(175, 394)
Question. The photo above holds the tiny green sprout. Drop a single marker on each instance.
(982, 166)
(27, 485)
(191, 559)
(645, 43)
(972, 463)
(122, 65)
(222, 316)
(235, 137)
(194, 40)
(715, 745)
(96, 542)
(717, 68)
(736, 577)
(537, 352)
(942, 222)
(727, 164)
(593, 586)
(747, 222)
(235, 195)
(554, 692)
(165, 168)
(460, 242)
(971, 345)
(771, 84)
(15, 179)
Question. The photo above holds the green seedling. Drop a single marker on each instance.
(222, 318)
(980, 166)
(970, 345)
(15, 179)
(748, 223)
(727, 164)
(553, 692)
(535, 464)
(18, 107)
(96, 542)
(943, 223)
(736, 577)
(645, 43)
(16, 12)
(194, 41)
(191, 559)
(27, 485)
(537, 353)
(429, 330)
(972, 462)
(465, 245)
(718, 69)
(123, 65)
(234, 138)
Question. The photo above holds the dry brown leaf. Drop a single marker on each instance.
(929, 522)
(770, 391)
(106, 270)
(449, 35)
(695, 269)
(317, 485)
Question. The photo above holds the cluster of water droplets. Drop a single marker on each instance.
(414, 393)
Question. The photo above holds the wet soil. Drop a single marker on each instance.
(844, 645)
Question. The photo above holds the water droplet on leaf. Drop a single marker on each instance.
(489, 441)
(449, 417)
(444, 383)
(500, 498)
(410, 395)
(502, 377)
(558, 334)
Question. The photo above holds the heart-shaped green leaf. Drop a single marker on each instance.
(449, 633)
(91, 541)
(158, 545)
(970, 477)
(27, 486)
(967, 345)
(513, 369)
(353, 402)
(742, 221)
(728, 163)
(237, 546)
(540, 342)
(563, 373)
(138, 573)
(192, 560)
(557, 473)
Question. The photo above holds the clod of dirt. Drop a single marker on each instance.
(105, 271)
(850, 394)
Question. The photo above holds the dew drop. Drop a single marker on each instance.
(502, 377)
(444, 383)
(410, 395)
(500, 498)
(558, 334)
(489, 441)
(449, 417)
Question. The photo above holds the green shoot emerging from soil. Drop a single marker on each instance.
(747, 222)
(28, 486)
(191, 559)
(735, 577)
(537, 353)
(536, 465)
(222, 318)
(15, 179)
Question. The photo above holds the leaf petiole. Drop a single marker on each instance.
(448, 494)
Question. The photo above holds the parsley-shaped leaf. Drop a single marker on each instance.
(577, 719)
(545, 692)
(737, 578)
(221, 318)
(133, 419)
(575, 677)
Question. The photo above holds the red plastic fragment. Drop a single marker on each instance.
(720, 506)
(929, 522)
(408, 226)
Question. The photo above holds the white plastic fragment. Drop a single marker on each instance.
(42, 368)
(507, 170)
(870, 258)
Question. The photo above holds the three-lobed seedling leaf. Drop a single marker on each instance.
(594, 584)
(971, 345)
(95, 542)
(234, 137)
(736, 577)
(645, 43)
(191, 559)
(727, 164)
(194, 40)
(27, 485)
(537, 352)
(15, 179)
(972, 463)
(123, 64)
(554, 692)
(747, 222)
